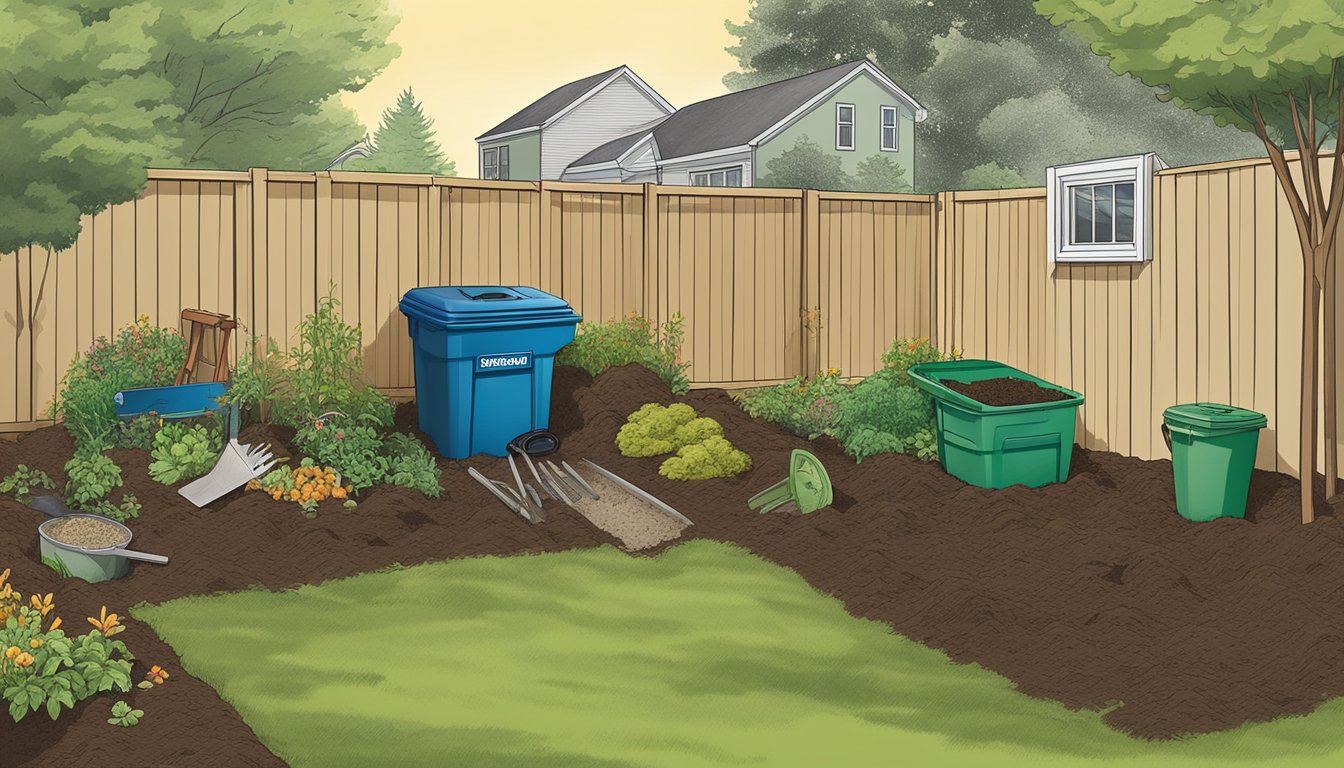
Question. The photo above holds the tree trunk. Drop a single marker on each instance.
(1330, 381)
(1306, 470)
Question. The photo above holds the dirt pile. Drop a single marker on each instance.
(1006, 390)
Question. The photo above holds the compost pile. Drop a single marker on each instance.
(1006, 390)
(85, 532)
(1089, 592)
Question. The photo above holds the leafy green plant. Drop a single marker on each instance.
(90, 477)
(140, 355)
(124, 716)
(356, 451)
(655, 429)
(904, 353)
(45, 668)
(881, 414)
(324, 372)
(138, 432)
(183, 453)
(805, 407)
(712, 457)
(22, 481)
(128, 508)
(635, 339)
(412, 465)
(259, 379)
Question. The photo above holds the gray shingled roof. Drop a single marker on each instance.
(547, 106)
(730, 120)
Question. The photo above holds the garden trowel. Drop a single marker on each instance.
(808, 486)
(238, 464)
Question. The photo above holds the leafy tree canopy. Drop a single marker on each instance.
(879, 173)
(93, 92)
(1002, 85)
(405, 142)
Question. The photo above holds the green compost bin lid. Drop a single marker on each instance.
(1213, 416)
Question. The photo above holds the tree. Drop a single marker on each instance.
(879, 173)
(1271, 67)
(963, 61)
(405, 142)
(806, 166)
(92, 93)
(992, 176)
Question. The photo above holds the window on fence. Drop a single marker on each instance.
(844, 126)
(1101, 211)
(719, 177)
(503, 162)
(490, 164)
(889, 135)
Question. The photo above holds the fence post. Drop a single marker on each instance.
(248, 305)
(810, 284)
(944, 212)
(434, 256)
(322, 242)
(548, 277)
(652, 287)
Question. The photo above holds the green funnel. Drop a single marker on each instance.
(808, 486)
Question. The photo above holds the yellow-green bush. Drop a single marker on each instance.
(712, 457)
(656, 429)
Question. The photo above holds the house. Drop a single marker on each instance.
(852, 109)
(542, 139)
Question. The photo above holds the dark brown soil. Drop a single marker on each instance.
(1006, 391)
(1093, 592)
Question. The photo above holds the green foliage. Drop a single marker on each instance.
(137, 432)
(904, 353)
(805, 407)
(90, 478)
(405, 142)
(806, 166)
(923, 444)
(879, 173)
(123, 716)
(412, 465)
(93, 93)
(597, 347)
(881, 403)
(713, 457)
(356, 450)
(22, 481)
(56, 671)
(259, 378)
(183, 453)
(965, 60)
(1219, 59)
(140, 355)
(656, 429)
(128, 508)
(991, 175)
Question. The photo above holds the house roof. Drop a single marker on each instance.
(736, 119)
(554, 104)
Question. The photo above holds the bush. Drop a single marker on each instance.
(90, 478)
(597, 347)
(139, 356)
(713, 457)
(183, 453)
(356, 450)
(412, 465)
(44, 669)
(805, 407)
(904, 353)
(138, 432)
(655, 429)
(23, 481)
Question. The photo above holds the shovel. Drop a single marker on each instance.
(238, 464)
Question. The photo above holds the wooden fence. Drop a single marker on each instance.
(1214, 316)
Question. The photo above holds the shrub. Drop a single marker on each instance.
(183, 453)
(655, 429)
(805, 407)
(44, 668)
(139, 356)
(713, 457)
(90, 477)
(258, 379)
(904, 353)
(355, 451)
(22, 481)
(412, 465)
(597, 347)
(138, 432)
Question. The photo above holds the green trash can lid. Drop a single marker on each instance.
(1213, 416)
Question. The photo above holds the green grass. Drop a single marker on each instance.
(703, 656)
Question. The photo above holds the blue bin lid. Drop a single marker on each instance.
(449, 304)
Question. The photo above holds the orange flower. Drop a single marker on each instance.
(157, 674)
(11, 651)
(41, 604)
(107, 623)
(24, 659)
(55, 625)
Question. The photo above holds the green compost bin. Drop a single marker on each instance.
(998, 446)
(1212, 455)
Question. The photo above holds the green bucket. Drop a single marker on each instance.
(1212, 455)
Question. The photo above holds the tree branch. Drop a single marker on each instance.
(1306, 158)
(1286, 181)
(30, 93)
(220, 29)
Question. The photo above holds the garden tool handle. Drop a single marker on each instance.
(1166, 435)
(131, 554)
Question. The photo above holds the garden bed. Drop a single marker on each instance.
(1091, 592)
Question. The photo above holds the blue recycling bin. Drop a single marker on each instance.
(483, 361)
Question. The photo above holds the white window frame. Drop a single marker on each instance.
(853, 118)
(740, 168)
(489, 153)
(1060, 181)
(895, 129)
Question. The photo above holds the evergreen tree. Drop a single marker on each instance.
(405, 142)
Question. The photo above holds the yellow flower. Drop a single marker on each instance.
(11, 651)
(107, 623)
(35, 643)
(157, 674)
(24, 660)
(41, 604)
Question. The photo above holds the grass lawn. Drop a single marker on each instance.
(703, 656)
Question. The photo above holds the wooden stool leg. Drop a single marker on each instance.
(193, 353)
(222, 356)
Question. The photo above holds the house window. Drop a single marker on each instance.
(503, 162)
(490, 163)
(844, 126)
(719, 177)
(889, 135)
(1101, 211)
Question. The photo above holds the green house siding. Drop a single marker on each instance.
(868, 97)
(524, 155)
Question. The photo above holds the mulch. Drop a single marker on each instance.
(1092, 592)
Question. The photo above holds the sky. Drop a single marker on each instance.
(472, 64)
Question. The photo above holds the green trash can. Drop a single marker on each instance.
(1212, 455)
